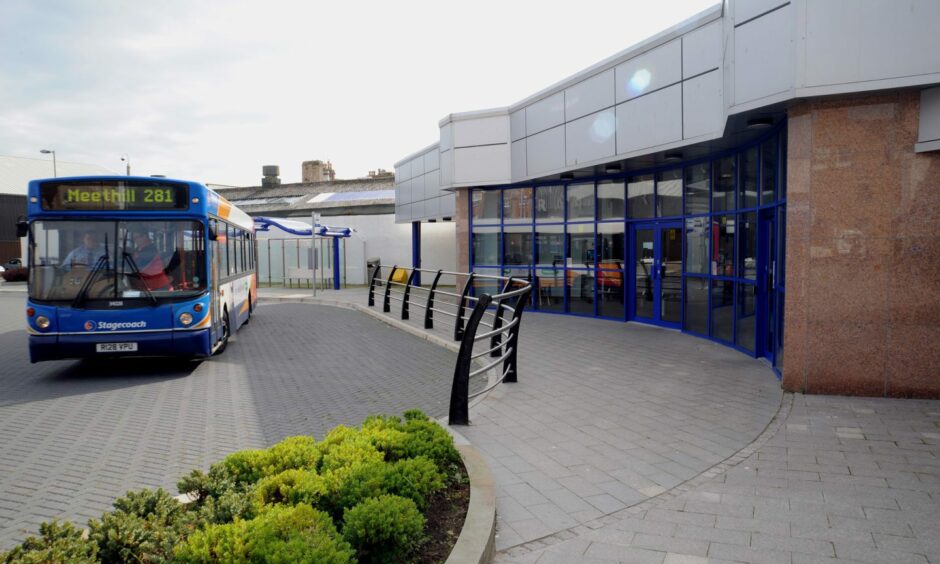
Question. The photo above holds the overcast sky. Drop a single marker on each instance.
(211, 91)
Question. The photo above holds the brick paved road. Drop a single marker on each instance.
(74, 435)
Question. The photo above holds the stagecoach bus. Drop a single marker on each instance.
(124, 266)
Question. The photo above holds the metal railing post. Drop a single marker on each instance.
(460, 390)
(498, 320)
(387, 304)
(458, 324)
(375, 275)
(509, 365)
(404, 302)
(428, 310)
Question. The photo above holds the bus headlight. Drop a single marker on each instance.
(186, 318)
(42, 322)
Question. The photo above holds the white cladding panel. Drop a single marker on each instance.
(432, 207)
(763, 56)
(857, 41)
(747, 9)
(650, 120)
(417, 166)
(447, 168)
(481, 164)
(701, 49)
(403, 172)
(446, 131)
(403, 213)
(546, 151)
(417, 210)
(702, 105)
(929, 129)
(432, 160)
(590, 138)
(518, 159)
(650, 71)
(517, 124)
(432, 184)
(591, 95)
(481, 131)
(404, 192)
(545, 114)
(447, 205)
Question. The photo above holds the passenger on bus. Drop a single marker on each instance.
(149, 262)
(85, 254)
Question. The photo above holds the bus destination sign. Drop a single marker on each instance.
(114, 195)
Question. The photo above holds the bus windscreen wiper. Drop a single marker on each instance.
(133, 263)
(92, 276)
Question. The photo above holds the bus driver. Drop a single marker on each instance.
(86, 254)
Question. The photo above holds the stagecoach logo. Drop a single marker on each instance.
(114, 325)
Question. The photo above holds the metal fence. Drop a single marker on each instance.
(467, 313)
(289, 262)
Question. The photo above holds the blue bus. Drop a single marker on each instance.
(135, 266)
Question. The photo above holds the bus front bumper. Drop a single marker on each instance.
(190, 344)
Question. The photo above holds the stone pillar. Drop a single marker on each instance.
(863, 249)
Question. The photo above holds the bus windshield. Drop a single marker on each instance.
(84, 261)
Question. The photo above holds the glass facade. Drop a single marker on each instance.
(698, 246)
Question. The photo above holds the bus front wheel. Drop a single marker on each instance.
(226, 333)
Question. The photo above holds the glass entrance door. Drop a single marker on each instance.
(657, 269)
(767, 302)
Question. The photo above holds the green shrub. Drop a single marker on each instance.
(349, 454)
(279, 535)
(387, 528)
(415, 415)
(427, 438)
(292, 453)
(242, 468)
(56, 543)
(415, 479)
(290, 487)
(386, 435)
(143, 527)
(226, 507)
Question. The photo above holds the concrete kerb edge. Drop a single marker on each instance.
(477, 540)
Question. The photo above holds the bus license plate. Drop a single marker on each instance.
(116, 347)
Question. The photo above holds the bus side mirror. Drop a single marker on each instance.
(22, 227)
(213, 235)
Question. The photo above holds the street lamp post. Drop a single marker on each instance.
(46, 152)
(126, 159)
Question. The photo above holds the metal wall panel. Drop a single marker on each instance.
(545, 114)
(481, 164)
(448, 205)
(747, 9)
(650, 71)
(404, 192)
(481, 131)
(432, 160)
(591, 95)
(590, 138)
(403, 172)
(446, 137)
(650, 120)
(862, 41)
(546, 151)
(432, 207)
(701, 49)
(404, 214)
(929, 129)
(763, 56)
(517, 124)
(447, 168)
(417, 211)
(432, 184)
(518, 159)
(417, 166)
(702, 105)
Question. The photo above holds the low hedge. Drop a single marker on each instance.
(357, 495)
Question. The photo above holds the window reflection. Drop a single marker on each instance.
(696, 305)
(748, 182)
(581, 291)
(517, 245)
(550, 203)
(581, 245)
(768, 170)
(747, 245)
(550, 287)
(723, 184)
(723, 253)
(640, 196)
(746, 316)
(696, 189)
(517, 205)
(697, 238)
(485, 205)
(485, 245)
(722, 309)
(580, 201)
(550, 245)
(610, 200)
(669, 193)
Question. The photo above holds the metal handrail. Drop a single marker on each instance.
(467, 316)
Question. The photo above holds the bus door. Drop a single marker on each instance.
(214, 306)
